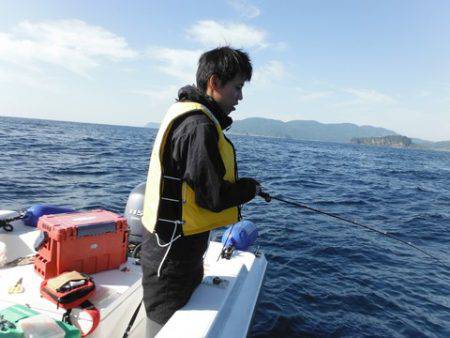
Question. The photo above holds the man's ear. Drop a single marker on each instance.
(214, 82)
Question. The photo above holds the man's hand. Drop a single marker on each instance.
(258, 188)
(252, 184)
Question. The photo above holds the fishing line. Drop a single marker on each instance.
(268, 198)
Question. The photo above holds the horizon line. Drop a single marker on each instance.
(144, 126)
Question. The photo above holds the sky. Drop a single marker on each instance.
(381, 63)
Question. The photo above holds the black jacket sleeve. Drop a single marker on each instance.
(195, 146)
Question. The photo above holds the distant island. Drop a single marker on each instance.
(153, 125)
(397, 141)
(330, 132)
(306, 130)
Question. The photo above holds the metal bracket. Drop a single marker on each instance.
(227, 252)
(216, 281)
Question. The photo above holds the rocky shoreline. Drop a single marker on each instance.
(396, 141)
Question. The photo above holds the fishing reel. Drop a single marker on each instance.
(263, 194)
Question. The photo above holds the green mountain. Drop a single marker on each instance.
(331, 132)
(306, 130)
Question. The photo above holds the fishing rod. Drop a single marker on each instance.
(268, 198)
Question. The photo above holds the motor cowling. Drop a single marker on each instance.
(134, 211)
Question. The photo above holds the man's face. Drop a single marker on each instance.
(229, 94)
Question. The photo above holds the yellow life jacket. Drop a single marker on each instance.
(195, 219)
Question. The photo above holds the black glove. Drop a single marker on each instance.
(259, 190)
(251, 184)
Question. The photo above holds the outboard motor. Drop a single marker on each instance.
(133, 213)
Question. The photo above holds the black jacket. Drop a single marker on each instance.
(192, 153)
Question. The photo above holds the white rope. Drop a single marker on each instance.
(172, 239)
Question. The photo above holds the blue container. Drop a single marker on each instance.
(241, 235)
(33, 213)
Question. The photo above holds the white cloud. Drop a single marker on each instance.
(212, 34)
(307, 95)
(272, 70)
(369, 96)
(438, 92)
(424, 93)
(159, 95)
(34, 80)
(179, 63)
(71, 44)
(245, 9)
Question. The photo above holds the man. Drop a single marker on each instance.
(192, 184)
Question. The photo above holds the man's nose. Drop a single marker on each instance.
(240, 97)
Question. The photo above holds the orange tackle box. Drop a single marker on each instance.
(88, 242)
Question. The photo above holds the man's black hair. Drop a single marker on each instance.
(226, 63)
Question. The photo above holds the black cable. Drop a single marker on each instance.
(132, 320)
(5, 223)
(6, 226)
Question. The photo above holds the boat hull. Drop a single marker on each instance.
(216, 309)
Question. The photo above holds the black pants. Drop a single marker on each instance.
(180, 275)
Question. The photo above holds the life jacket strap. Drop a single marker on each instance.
(174, 221)
(169, 244)
(172, 178)
(170, 199)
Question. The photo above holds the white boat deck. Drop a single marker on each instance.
(214, 310)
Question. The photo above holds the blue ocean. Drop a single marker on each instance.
(325, 278)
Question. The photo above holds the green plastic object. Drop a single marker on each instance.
(15, 313)
(70, 330)
(9, 318)
(9, 330)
